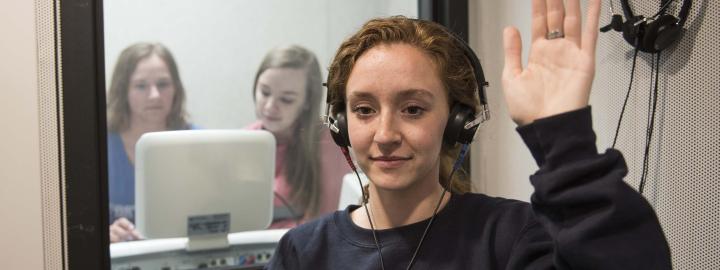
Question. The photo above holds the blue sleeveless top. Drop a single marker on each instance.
(121, 179)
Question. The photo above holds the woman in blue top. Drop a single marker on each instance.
(145, 95)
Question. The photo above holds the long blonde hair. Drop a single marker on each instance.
(433, 39)
(302, 162)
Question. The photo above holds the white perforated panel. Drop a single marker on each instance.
(50, 136)
(684, 169)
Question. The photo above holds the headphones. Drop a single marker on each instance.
(650, 34)
(463, 120)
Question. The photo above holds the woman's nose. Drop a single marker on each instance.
(387, 132)
(270, 104)
(154, 92)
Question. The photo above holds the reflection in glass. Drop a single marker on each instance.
(220, 47)
(288, 95)
(145, 95)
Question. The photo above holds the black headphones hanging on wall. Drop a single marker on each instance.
(462, 123)
(650, 34)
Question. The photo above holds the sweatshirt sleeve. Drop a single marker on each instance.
(594, 219)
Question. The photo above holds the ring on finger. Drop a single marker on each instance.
(554, 34)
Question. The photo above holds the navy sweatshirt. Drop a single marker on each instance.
(582, 216)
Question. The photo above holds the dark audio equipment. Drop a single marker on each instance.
(650, 34)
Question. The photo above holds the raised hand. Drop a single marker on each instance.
(560, 68)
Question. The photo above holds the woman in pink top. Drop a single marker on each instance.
(308, 167)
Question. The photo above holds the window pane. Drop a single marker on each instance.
(228, 65)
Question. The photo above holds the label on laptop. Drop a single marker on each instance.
(208, 224)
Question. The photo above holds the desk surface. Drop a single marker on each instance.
(247, 250)
(135, 248)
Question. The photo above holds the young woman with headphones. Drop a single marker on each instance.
(407, 96)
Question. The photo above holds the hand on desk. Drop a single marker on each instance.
(123, 230)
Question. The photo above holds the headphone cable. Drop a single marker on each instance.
(456, 166)
(365, 196)
(463, 152)
(652, 109)
(662, 9)
(627, 96)
(647, 125)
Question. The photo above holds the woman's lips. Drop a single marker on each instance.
(389, 162)
(272, 118)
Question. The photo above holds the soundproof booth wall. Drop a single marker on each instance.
(683, 161)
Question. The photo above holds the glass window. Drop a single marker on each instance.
(230, 64)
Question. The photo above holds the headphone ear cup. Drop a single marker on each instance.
(668, 37)
(632, 31)
(341, 137)
(667, 31)
(455, 131)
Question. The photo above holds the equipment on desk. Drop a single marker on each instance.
(247, 250)
(204, 184)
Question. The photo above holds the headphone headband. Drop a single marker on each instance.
(682, 16)
(484, 113)
(463, 120)
(654, 33)
(474, 63)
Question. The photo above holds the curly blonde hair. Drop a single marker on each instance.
(436, 41)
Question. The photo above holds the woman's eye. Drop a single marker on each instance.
(287, 100)
(140, 86)
(162, 85)
(414, 110)
(363, 111)
(265, 93)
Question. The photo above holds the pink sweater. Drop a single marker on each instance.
(332, 169)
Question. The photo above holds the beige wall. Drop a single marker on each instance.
(21, 243)
(500, 161)
(683, 166)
